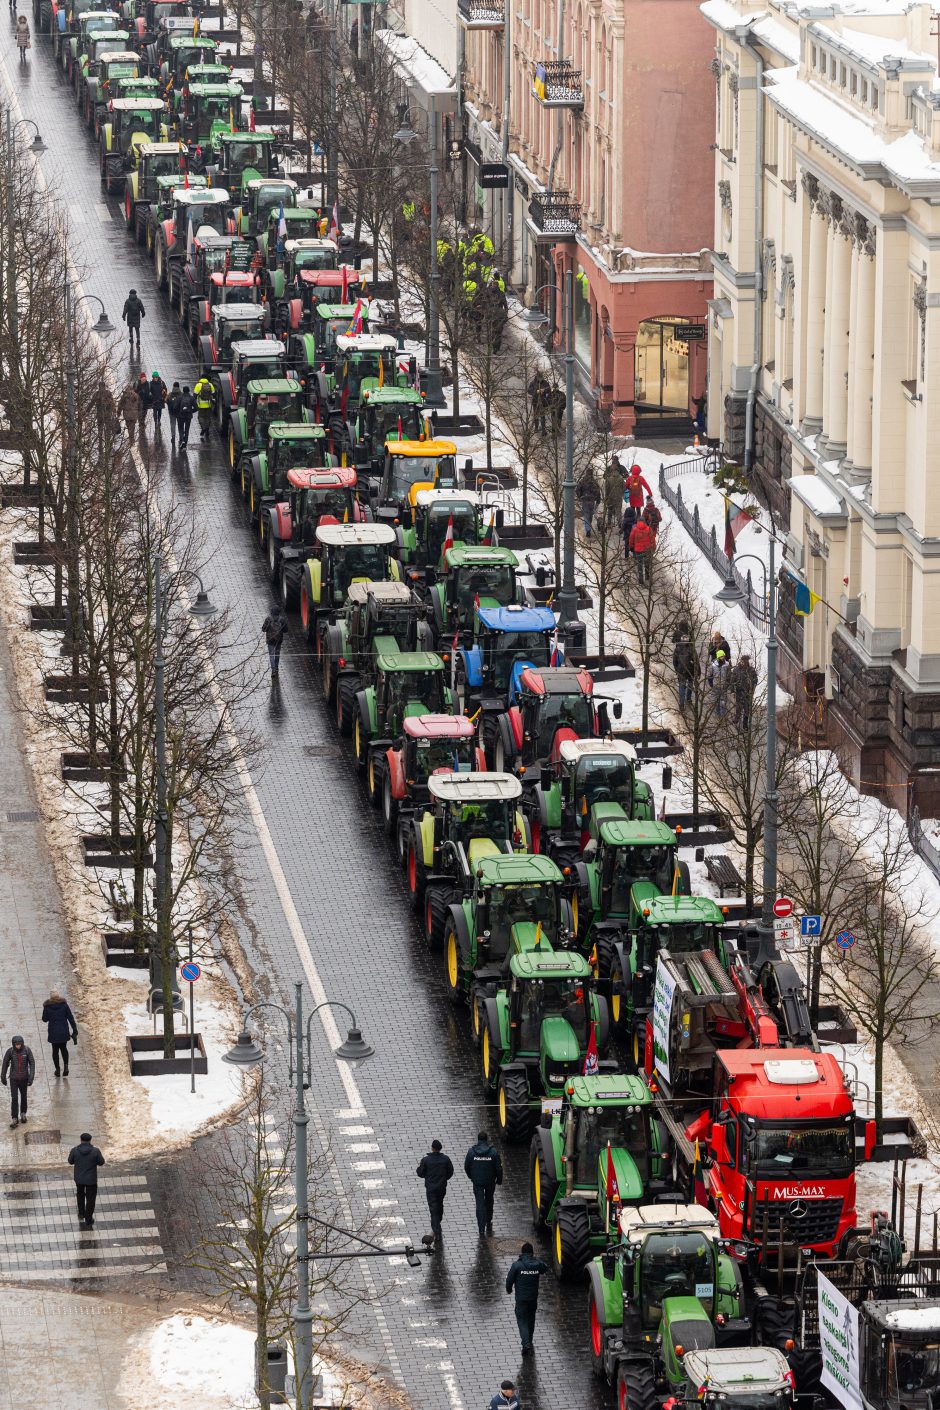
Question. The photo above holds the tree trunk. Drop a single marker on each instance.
(750, 853)
(878, 1038)
(525, 489)
(645, 702)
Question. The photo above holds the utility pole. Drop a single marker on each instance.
(332, 156)
(506, 224)
(770, 783)
(568, 597)
(303, 1316)
(161, 831)
(432, 384)
(71, 641)
(258, 77)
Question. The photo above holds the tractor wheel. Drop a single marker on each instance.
(389, 806)
(488, 733)
(637, 1053)
(345, 705)
(274, 558)
(476, 1017)
(374, 780)
(290, 588)
(636, 1386)
(360, 742)
(605, 952)
(327, 678)
(618, 994)
(436, 902)
(308, 616)
(512, 1106)
(455, 965)
(571, 1239)
(246, 483)
(160, 262)
(263, 533)
(497, 752)
(597, 1324)
(541, 1191)
(491, 1050)
(128, 210)
(417, 873)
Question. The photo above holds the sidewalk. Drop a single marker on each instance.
(34, 959)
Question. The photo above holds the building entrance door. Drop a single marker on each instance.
(661, 386)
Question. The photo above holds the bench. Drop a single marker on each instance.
(723, 872)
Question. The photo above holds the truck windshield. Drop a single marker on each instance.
(604, 779)
(675, 1263)
(573, 712)
(506, 648)
(630, 864)
(625, 1130)
(408, 470)
(913, 1372)
(802, 1146)
(434, 754)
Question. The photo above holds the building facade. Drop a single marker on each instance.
(610, 176)
(824, 349)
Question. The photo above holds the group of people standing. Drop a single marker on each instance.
(727, 685)
(151, 395)
(627, 495)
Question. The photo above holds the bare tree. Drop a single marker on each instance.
(519, 423)
(644, 598)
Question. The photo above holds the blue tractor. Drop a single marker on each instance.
(505, 641)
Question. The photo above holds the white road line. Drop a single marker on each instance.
(372, 1184)
(363, 1165)
(363, 1146)
(45, 1182)
(146, 1250)
(382, 1203)
(114, 1270)
(357, 1131)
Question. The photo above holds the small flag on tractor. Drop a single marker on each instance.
(538, 937)
(591, 1065)
(488, 536)
(189, 236)
(449, 536)
(401, 430)
(334, 222)
(251, 116)
(613, 1189)
(355, 327)
(555, 658)
(231, 118)
(282, 224)
(476, 602)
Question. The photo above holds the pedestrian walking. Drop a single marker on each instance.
(157, 400)
(626, 527)
(523, 1279)
(173, 410)
(483, 1167)
(555, 404)
(132, 313)
(635, 488)
(652, 515)
(538, 389)
(129, 407)
(20, 1065)
(641, 548)
(275, 627)
(685, 663)
(435, 1169)
(23, 40)
(86, 1159)
(143, 402)
(505, 1398)
(60, 1025)
(743, 681)
(718, 643)
(204, 393)
(718, 680)
(186, 413)
(590, 497)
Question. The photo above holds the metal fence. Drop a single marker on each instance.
(755, 603)
(922, 843)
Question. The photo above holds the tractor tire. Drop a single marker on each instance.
(571, 1239)
(327, 677)
(541, 1186)
(597, 1324)
(360, 742)
(160, 261)
(436, 902)
(491, 1050)
(290, 587)
(496, 752)
(487, 734)
(416, 873)
(345, 705)
(274, 558)
(605, 953)
(476, 1019)
(308, 615)
(455, 965)
(618, 995)
(389, 806)
(636, 1386)
(512, 1106)
(374, 773)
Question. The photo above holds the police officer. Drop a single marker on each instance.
(484, 1169)
(523, 1277)
(435, 1169)
(204, 393)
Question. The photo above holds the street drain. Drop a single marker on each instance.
(43, 1138)
(321, 751)
(29, 815)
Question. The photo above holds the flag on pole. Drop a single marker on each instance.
(805, 599)
(251, 117)
(555, 658)
(488, 536)
(449, 536)
(538, 937)
(355, 327)
(401, 430)
(334, 222)
(476, 602)
(231, 118)
(613, 1189)
(281, 224)
(185, 178)
(734, 523)
(345, 285)
(189, 236)
(591, 1065)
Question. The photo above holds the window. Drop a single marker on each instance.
(815, 56)
(832, 70)
(853, 84)
(864, 92)
(874, 98)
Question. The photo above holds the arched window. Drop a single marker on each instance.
(602, 58)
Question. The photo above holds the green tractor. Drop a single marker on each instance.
(309, 252)
(101, 88)
(379, 618)
(472, 577)
(264, 472)
(344, 554)
(470, 816)
(183, 54)
(622, 865)
(127, 125)
(263, 197)
(405, 684)
(363, 362)
(516, 903)
(535, 1033)
(302, 224)
(98, 41)
(437, 517)
(737, 1378)
(269, 402)
(585, 772)
(208, 109)
(602, 1141)
(100, 22)
(384, 412)
(156, 162)
(240, 157)
(665, 1289)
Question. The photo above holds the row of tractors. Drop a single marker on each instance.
(692, 1148)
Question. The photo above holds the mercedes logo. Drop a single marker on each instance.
(798, 1209)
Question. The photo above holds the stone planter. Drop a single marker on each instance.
(660, 743)
(145, 1055)
(118, 949)
(468, 425)
(19, 495)
(99, 851)
(704, 830)
(44, 617)
(32, 552)
(80, 767)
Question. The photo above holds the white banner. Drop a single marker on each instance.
(663, 992)
(838, 1340)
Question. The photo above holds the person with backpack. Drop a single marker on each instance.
(275, 629)
(204, 393)
(187, 410)
(173, 410)
(635, 487)
(652, 516)
(626, 527)
(743, 681)
(685, 663)
(641, 548)
(157, 400)
(133, 312)
(143, 402)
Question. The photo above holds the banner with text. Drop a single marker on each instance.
(662, 1009)
(838, 1338)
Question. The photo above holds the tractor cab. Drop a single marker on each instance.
(131, 86)
(738, 1378)
(587, 772)
(263, 198)
(301, 229)
(65, 24)
(296, 506)
(384, 413)
(148, 19)
(200, 210)
(438, 517)
(476, 815)
(252, 360)
(275, 401)
(182, 52)
(126, 126)
(309, 252)
(407, 683)
(471, 578)
(220, 272)
(327, 286)
(99, 41)
(209, 108)
(433, 744)
(551, 706)
(411, 466)
(242, 157)
(154, 159)
(899, 1354)
(232, 323)
(631, 862)
(343, 554)
(314, 350)
(114, 64)
(100, 23)
(363, 361)
(264, 471)
(507, 642)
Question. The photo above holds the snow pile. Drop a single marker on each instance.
(174, 1109)
(202, 1361)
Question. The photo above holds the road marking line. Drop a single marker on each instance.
(369, 1165)
(363, 1146)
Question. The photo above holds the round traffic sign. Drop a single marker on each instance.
(190, 971)
(845, 939)
(783, 906)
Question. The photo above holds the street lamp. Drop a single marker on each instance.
(431, 380)
(732, 594)
(246, 1053)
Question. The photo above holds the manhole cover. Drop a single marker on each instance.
(30, 815)
(321, 751)
(43, 1138)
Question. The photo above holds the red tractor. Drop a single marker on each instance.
(314, 497)
(554, 705)
(429, 744)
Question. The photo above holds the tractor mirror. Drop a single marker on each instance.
(618, 709)
(499, 518)
(609, 1264)
(719, 1144)
(667, 777)
(545, 780)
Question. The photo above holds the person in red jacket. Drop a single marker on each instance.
(641, 547)
(635, 488)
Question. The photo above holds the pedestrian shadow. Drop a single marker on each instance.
(485, 1281)
(277, 710)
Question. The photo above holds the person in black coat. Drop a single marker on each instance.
(19, 1066)
(435, 1169)
(60, 1026)
(483, 1167)
(523, 1279)
(685, 663)
(86, 1159)
(187, 410)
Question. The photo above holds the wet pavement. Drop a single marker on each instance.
(330, 907)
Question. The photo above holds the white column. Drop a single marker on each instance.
(813, 335)
(837, 337)
(853, 313)
(863, 353)
(827, 329)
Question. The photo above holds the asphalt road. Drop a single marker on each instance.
(316, 851)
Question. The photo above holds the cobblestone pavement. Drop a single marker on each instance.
(322, 883)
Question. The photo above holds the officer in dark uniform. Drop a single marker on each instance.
(435, 1169)
(523, 1277)
(484, 1169)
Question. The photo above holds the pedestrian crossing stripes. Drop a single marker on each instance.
(41, 1238)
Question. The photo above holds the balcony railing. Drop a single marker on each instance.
(481, 14)
(555, 215)
(558, 85)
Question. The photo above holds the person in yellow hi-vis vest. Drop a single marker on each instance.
(204, 393)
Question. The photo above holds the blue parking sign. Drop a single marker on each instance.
(811, 926)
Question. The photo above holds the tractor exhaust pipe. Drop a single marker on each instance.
(569, 1152)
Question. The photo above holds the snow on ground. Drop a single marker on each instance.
(174, 1109)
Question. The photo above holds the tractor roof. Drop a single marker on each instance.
(409, 662)
(424, 448)
(136, 105)
(119, 56)
(202, 196)
(258, 349)
(469, 556)
(439, 727)
(474, 787)
(397, 594)
(308, 242)
(349, 535)
(619, 832)
(260, 135)
(230, 89)
(273, 386)
(748, 1370)
(99, 31)
(558, 680)
(239, 313)
(573, 750)
(516, 618)
(549, 964)
(332, 278)
(518, 869)
(199, 41)
(257, 182)
(326, 311)
(792, 1074)
(287, 431)
(304, 479)
(161, 149)
(457, 499)
(919, 1315)
(683, 910)
(362, 342)
(387, 396)
(609, 1089)
(637, 1222)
